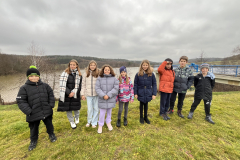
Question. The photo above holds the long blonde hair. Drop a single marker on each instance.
(120, 79)
(68, 70)
(148, 71)
(95, 73)
(102, 70)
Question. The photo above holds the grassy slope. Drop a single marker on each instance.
(174, 139)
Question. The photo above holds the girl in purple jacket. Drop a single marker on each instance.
(125, 95)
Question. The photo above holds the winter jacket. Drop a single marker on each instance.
(203, 87)
(125, 92)
(36, 100)
(166, 79)
(183, 79)
(107, 85)
(145, 87)
(88, 85)
(71, 104)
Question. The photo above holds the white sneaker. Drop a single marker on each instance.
(109, 126)
(87, 125)
(76, 120)
(99, 129)
(93, 126)
(73, 125)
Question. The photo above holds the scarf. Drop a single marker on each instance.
(63, 83)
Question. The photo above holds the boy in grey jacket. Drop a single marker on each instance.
(183, 81)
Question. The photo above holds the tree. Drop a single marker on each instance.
(202, 57)
(37, 54)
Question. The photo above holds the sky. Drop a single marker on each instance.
(126, 29)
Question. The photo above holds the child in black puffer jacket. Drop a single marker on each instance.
(36, 100)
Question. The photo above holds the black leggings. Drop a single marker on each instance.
(145, 109)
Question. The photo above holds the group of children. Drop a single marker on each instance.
(102, 91)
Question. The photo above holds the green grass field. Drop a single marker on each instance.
(174, 139)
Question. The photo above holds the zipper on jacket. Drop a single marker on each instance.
(40, 101)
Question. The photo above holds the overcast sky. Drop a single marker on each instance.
(129, 29)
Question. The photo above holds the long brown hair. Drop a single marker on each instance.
(68, 70)
(148, 71)
(120, 79)
(102, 70)
(95, 73)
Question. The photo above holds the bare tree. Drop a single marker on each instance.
(202, 57)
(37, 54)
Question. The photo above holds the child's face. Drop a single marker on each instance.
(123, 74)
(144, 66)
(33, 78)
(204, 70)
(92, 66)
(107, 70)
(73, 65)
(182, 63)
(169, 65)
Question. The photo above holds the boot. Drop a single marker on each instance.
(125, 121)
(164, 117)
(118, 123)
(52, 137)
(142, 120)
(146, 120)
(32, 145)
(167, 117)
(190, 115)
(180, 114)
(170, 111)
(209, 119)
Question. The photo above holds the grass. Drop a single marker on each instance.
(174, 139)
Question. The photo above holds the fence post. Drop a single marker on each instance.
(236, 71)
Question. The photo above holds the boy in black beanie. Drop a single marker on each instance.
(36, 100)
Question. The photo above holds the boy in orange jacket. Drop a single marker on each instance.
(167, 76)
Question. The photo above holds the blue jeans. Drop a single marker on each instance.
(164, 102)
(92, 103)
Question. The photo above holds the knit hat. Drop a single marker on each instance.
(204, 65)
(123, 68)
(168, 59)
(33, 71)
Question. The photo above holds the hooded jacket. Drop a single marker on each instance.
(166, 79)
(36, 100)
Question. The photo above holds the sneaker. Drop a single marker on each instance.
(87, 125)
(180, 114)
(141, 120)
(167, 117)
(190, 115)
(109, 126)
(118, 123)
(94, 126)
(32, 145)
(164, 117)
(99, 129)
(73, 125)
(76, 120)
(170, 111)
(52, 137)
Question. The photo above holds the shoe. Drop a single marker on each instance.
(164, 117)
(170, 111)
(118, 123)
(209, 119)
(180, 114)
(76, 120)
(94, 126)
(109, 126)
(167, 117)
(190, 115)
(146, 120)
(87, 125)
(52, 137)
(125, 121)
(32, 145)
(99, 129)
(142, 120)
(73, 125)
